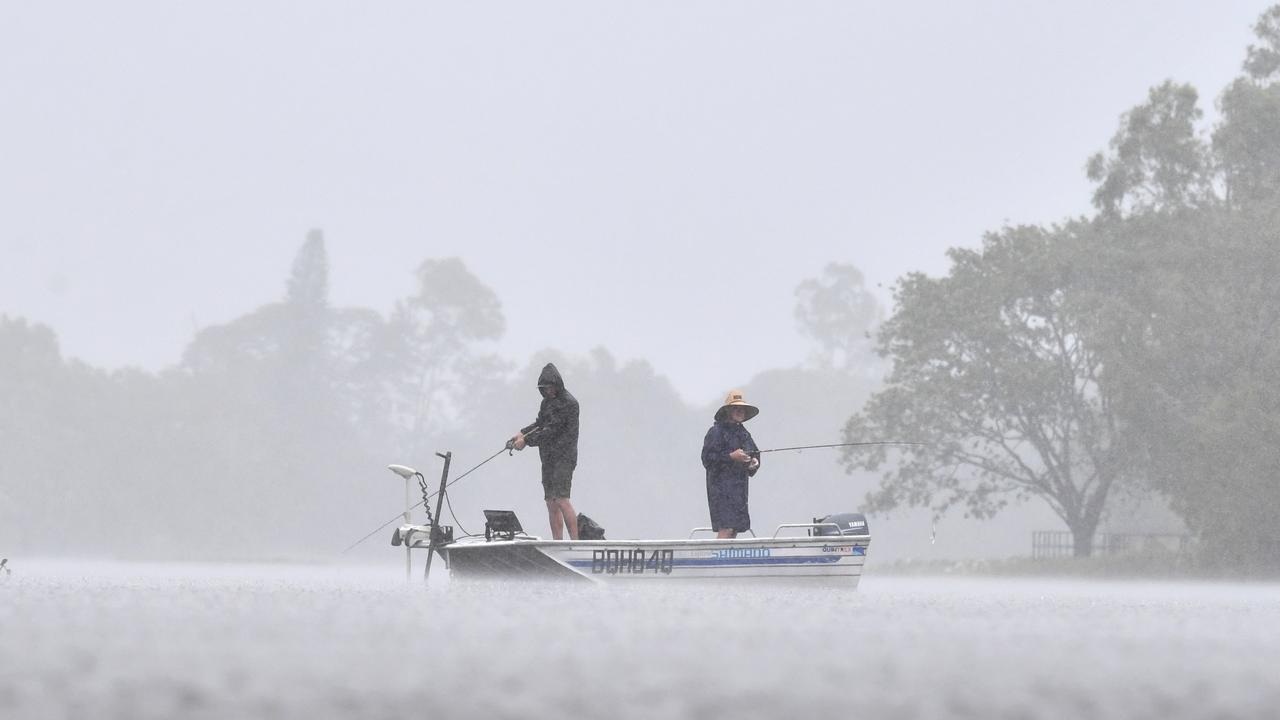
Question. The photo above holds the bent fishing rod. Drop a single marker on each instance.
(508, 448)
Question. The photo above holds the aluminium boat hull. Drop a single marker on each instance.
(835, 561)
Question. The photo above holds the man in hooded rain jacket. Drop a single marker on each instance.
(730, 456)
(555, 433)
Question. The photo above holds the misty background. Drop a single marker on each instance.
(252, 256)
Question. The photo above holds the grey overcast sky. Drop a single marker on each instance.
(654, 177)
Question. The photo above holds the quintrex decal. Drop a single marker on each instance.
(845, 549)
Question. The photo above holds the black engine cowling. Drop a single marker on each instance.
(847, 524)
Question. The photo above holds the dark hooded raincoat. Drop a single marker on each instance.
(555, 431)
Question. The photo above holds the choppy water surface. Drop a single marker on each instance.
(238, 641)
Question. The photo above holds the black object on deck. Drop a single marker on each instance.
(501, 524)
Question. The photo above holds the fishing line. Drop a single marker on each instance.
(424, 500)
(836, 445)
(454, 515)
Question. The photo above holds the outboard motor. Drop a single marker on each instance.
(849, 524)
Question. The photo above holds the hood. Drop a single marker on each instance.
(551, 376)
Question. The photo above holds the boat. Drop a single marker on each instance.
(827, 551)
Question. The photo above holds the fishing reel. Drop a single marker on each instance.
(510, 447)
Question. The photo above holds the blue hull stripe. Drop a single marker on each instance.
(737, 562)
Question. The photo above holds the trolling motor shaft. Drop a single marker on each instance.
(433, 546)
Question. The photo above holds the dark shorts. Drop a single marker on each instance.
(556, 480)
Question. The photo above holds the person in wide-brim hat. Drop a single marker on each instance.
(735, 399)
(730, 455)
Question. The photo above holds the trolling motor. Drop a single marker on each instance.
(399, 536)
(437, 535)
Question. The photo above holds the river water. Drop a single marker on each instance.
(237, 641)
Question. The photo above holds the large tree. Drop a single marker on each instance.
(992, 377)
(1185, 271)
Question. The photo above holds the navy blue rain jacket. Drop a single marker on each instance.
(726, 479)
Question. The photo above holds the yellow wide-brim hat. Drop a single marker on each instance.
(735, 399)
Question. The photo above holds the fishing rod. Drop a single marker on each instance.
(422, 501)
(836, 445)
(507, 448)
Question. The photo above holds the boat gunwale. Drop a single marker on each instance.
(679, 542)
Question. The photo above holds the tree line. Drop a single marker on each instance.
(1136, 347)
(270, 438)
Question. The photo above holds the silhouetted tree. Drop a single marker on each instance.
(431, 349)
(837, 312)
(992, 374)
(1187, 310)
(33, 486)
(271, 395)
(1157, 160)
